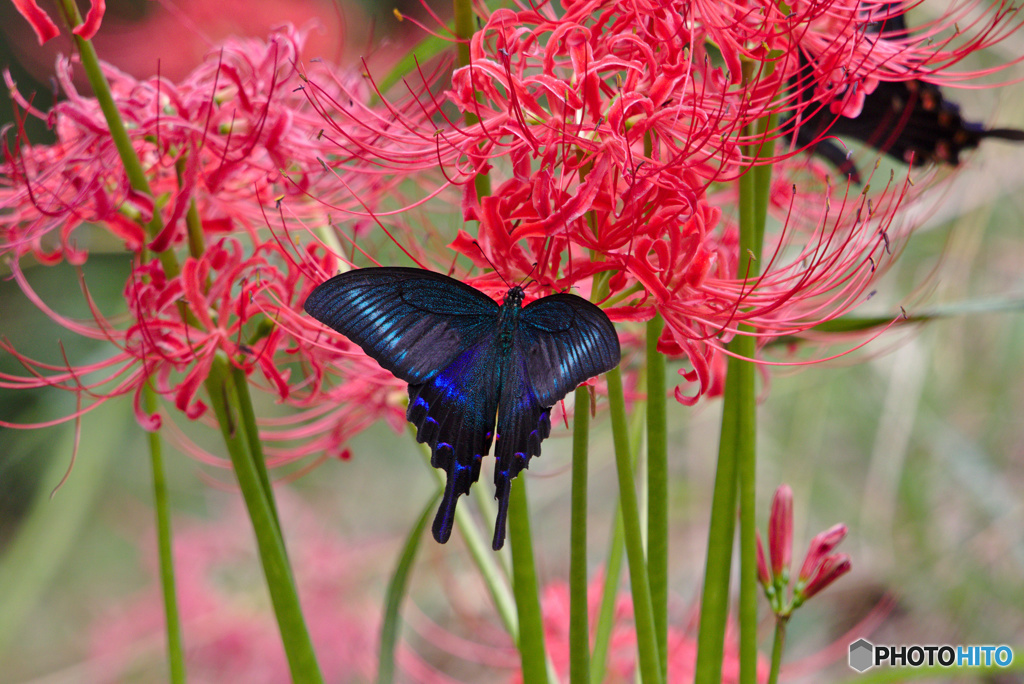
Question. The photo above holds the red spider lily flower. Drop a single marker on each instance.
(38, 19)
(45, 28)
(230, 137)
(820, 548)
(831, 569)
(764, 577)
(236, 136)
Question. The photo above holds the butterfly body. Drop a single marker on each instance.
(478, 373)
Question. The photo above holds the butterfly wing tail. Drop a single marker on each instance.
(445, 517)
(503, 488)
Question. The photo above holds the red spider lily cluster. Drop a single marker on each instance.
(610, 134)
(228, 153)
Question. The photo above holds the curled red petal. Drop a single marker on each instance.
(88, 28)
(41, 23)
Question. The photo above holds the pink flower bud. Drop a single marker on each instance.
(831, 569)
(820, 547)
(780, 531)
(763, 576)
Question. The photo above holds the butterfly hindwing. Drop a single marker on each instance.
(413, 322)
(561, 341)
(523, 423)
(454, 414)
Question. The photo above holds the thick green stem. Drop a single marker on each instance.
(175, 649)
(647, 646)
(746, 462)
(525, 587)
(464, 30)
(777, 646)
(753, 192)
(714, 606)
(224, 397)
(613, 566)
(579, 619)
(252, 435)
(657, 484)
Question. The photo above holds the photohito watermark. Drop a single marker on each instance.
(865, 655)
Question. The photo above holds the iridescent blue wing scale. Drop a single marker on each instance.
(561, 341)
(413, 322)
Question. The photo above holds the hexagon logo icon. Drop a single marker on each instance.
(862, 654)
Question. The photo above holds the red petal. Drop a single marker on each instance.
(41, 23)
(88, 28)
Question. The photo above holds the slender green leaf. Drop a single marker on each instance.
(397, 587)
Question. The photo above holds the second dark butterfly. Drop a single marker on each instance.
(470, 363)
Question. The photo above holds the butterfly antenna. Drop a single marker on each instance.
(487, 259)
(524, 282)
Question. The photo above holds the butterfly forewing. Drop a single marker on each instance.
(413, 322)
(565, 340)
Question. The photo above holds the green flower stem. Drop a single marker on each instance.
(657, 483)
(613, 566)
(579, 619)
(224, 396)
(777, 644)
(175, 649)
(483, 558)
(524, 586)
(647, 645)
(609, 597)
(714, 606)
(464, 30)
(763, 178)
(753, 191)
(252, 434)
